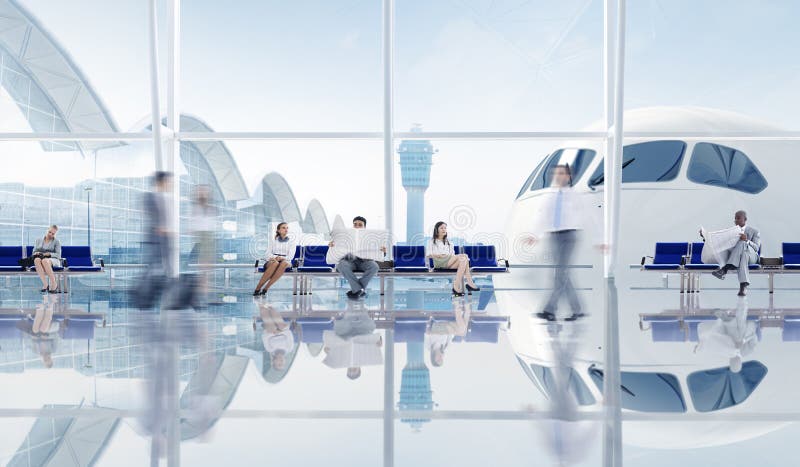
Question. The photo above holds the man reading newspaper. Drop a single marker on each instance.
(356, 250)
(734, 248)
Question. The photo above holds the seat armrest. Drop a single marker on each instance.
(256, 266)
(102, 263)
(64, 263)
(644, 259)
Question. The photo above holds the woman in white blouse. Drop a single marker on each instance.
(279, 259)
(443, 254)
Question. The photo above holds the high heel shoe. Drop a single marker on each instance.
(56, 290)
(457, 294)
(43, 290)
(472, 289)
(256, 293)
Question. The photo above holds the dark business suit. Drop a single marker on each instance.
(157, 243)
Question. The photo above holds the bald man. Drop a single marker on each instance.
(741, 256)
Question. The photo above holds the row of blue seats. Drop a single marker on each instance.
(74, 327)
(688, 255)
(407, 258)
(481, 328)
(684, 328)
(671, 328)
(74, 258)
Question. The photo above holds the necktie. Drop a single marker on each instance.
(557, 211)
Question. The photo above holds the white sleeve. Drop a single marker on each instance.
(429, 248)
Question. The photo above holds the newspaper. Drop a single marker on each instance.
(718, 243)
(364, 243)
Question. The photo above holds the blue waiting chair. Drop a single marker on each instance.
(314, 259)
(79, 258)
(29, 252)
(312, 328)
(482, 258)
(294, 259)
(791, 329)
(668, 256)
(791, 255)
(695, 261)
(9, 258)
(666, 328)
(409, 258)
(77, 327)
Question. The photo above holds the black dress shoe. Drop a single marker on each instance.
(472, 289)
(546, 315)
(575, 316)
(742, 288)
(353, 295)
(362, 294)
(719, 273)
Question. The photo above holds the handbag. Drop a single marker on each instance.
(26, 262)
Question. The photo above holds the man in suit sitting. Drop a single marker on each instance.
(741, 256)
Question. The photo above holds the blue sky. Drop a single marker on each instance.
(315, 65)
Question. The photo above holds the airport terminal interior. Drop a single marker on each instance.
(399, 233)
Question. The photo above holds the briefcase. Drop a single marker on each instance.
(771, 263)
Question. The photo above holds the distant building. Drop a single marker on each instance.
(416, 158)
(415, 385)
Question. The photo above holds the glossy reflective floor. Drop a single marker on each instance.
(412, 377)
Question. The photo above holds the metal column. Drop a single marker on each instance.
(614, 60)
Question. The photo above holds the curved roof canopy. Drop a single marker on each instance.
(219, 160)
(277, 199)
(45, 82)
(315, 220)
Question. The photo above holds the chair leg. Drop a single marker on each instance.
(682, 276)
(383, 285)
(294, 285)
(771, 276)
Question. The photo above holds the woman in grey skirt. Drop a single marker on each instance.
(46, 255)
(443, 254)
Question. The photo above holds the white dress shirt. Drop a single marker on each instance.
(357, 351)
(278, 248)
(282, 340)
(439, 248)
(564, 209)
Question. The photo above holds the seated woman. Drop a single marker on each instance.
(443, 254)
(47, 254)
(441, 333)
(279, 259)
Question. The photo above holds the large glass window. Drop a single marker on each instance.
(577, 159)
(653, 161)
(717, 165)
(721, 388)
(647, 392)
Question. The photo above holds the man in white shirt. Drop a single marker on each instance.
(562, 216)
(352, 343)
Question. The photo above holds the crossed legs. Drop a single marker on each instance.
(461, 264)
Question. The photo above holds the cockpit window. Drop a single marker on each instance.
(577, 159)
(647, 392)
(721, 388)
(652, 161)
(530, 177)
(543, 378)
(717, 165)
